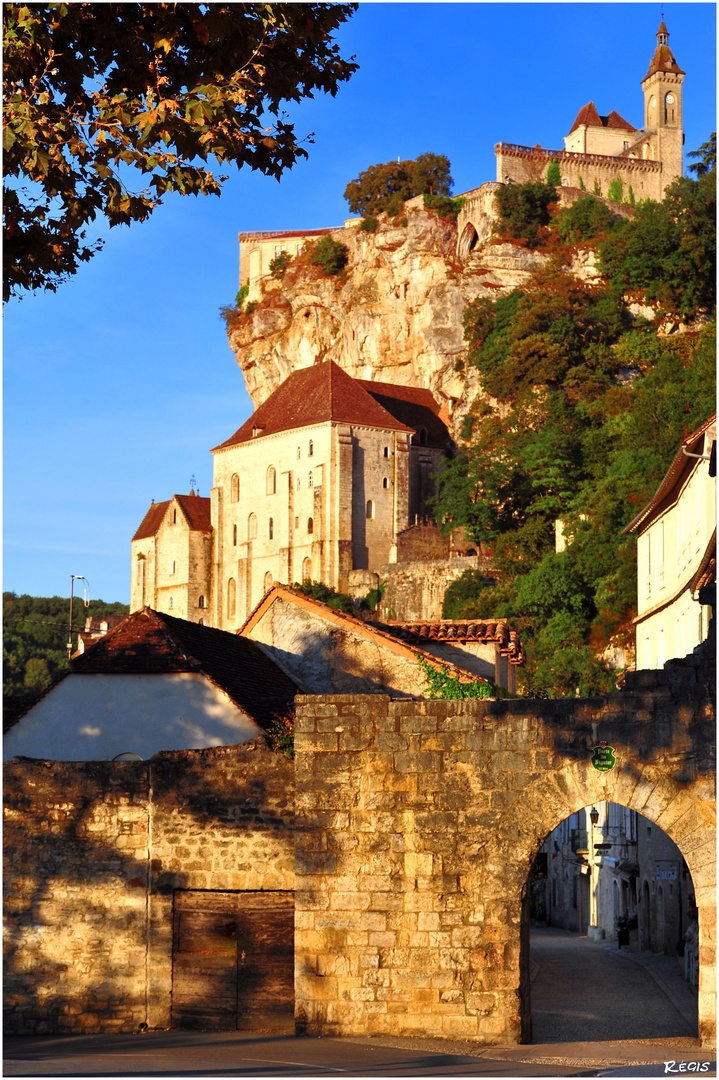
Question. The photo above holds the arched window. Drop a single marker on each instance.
(231, 597)
(386, 451)
(200, 601)
(310, 525)
(234, 488)
(309, 481)
(298, 483)
(252, 527)
(385, 482)
(171, 604)
(306, 569)
(200, 622)
(271, 529)
(234, 536)
(271, 480)
(311, 449)
(370, 509)
(299, 451)
(268, 581)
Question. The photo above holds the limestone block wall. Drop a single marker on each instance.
(417, 824)
(518, 164)
(415, 590)
(93, 854)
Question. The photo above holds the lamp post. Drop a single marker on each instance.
(73, 579)
(594, 932)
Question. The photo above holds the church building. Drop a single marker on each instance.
(318, 482)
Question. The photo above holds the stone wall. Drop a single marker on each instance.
(415, 590)
(417, 824)
(93, 854)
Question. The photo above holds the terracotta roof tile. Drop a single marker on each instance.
(152, 520)
(315, 395)
(589, 116)
(413, 406)
(614, 120)
(195, 509)
(150, 642)
(663, 60)
(495, 631)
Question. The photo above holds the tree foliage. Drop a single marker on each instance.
(584, 220)
(525, 210)
(319, 591)
(96, 94)
(330, 255)
(384, 187)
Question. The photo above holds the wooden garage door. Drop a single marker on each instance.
(233, 960)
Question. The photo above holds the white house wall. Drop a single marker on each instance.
(97, 717)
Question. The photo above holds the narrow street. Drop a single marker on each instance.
(587, 991)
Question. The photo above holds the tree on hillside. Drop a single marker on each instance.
(93, 92)
(707, 156)
(525, 210)
(387, 186)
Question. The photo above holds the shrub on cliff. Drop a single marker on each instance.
(383, 188)
(585, 219)
(443, 206)
(525, 211)
(330, 255)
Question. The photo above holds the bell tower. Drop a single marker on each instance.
(662, 86)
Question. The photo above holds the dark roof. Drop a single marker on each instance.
(413, 406)
(681, 464)
(150, 642)
(195, 509)
(589, 116)
(315, 395)
(490, 631)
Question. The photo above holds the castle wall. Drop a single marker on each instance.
(415, 590)
(519, 164)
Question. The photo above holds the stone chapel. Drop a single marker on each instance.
(319, 481)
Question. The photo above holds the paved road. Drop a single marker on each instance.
(585, 991)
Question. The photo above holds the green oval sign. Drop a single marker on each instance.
(603, 758)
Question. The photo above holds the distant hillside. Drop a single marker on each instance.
(35, 642)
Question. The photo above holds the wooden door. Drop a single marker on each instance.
(233, 960)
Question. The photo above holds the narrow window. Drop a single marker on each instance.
(252, 527)
(299, 452)
(386, 451)
(234, 536)
(310, 525)
(311, 449)
(298, 483)
(174, 517)
(271, 529)
(384, 482)
(235, 488)
(171, 604)
(297, 523)
(201, 601)
(231, 597)
(370, 509)
(271, 480)
(268, 581)
(173, 567)
(200, 622)
(306, 569)
(309, 481)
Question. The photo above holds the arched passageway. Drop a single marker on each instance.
(467, 241)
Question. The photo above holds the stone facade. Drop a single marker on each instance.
(406, 828)
(415, 590)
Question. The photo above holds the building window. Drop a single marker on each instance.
(200, 622)
(173, 567)
(306, 569)
(310, 525)
(385, 482)
(298, 483)
(271, 529)
(200, 601)
(235, 488)
(299, 452)
(297, 523)
(174, 517)
(171, 604)
(234, 536)
(386, 451)
(271, 480)
(231, 597)
(309, 481)
(252, 527)
(369, 513)
(268, 581)
(311, 449)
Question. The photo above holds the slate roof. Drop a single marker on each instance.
(491, 631)
(315, 395)
(194, 507)
(679, 465)
(150, 642)
(589, 117)
(413, 406)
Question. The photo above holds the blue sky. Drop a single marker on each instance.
(117, 385)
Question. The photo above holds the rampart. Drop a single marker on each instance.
(519, 164)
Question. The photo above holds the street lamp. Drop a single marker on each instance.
(86, 597)
(594, 931)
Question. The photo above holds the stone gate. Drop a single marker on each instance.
(405, 828)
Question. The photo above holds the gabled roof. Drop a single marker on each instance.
(491, 631)
(195, 509)
(373, 633)
(413, 406)
(589, 117)
(150, 642)
(315, 395)
(680, 465)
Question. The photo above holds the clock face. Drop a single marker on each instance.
(670, 99)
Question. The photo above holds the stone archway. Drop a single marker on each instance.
(467, 241)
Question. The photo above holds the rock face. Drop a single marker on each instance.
(394, 316)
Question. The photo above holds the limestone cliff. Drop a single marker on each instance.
(394, 316)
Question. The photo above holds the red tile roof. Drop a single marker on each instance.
(315, 395)
(589, 117)
(150, 642)
(413, 406)
(491, 631)
(195, 509)
(663, 60)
